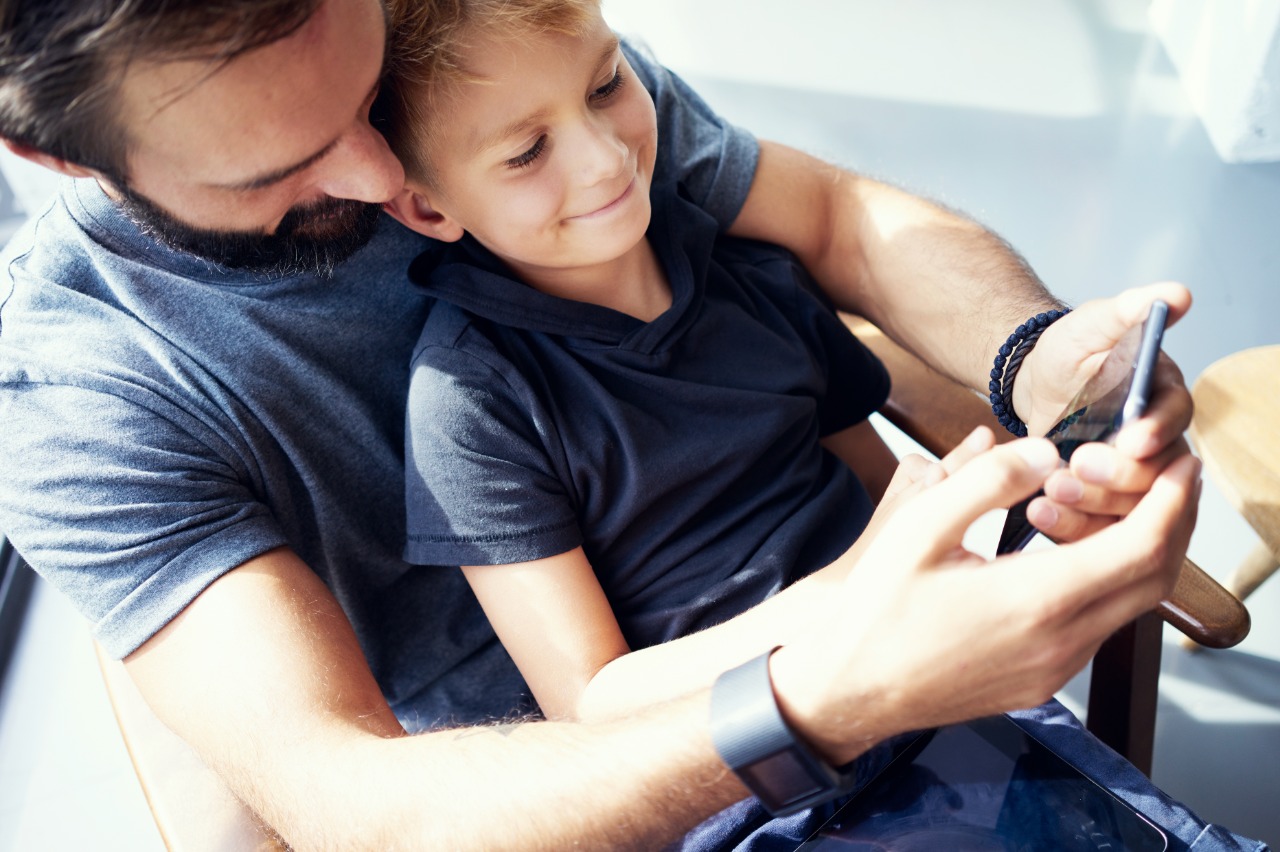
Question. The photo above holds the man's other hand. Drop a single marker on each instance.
(1103, 482)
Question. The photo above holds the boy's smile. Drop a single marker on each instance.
(547, 158)
(612, 205)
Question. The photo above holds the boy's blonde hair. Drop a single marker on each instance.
(429, 39)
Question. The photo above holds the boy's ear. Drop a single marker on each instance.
(49, 161)
(412, 209)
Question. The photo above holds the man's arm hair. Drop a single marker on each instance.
(937, 282)
(263, 676)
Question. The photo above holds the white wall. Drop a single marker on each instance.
(1227, 53)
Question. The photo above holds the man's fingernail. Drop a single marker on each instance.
(1067, 489)
(977, 439)
(1096, 467)
(1042, 514)
(1138, 444)
(1038, 453)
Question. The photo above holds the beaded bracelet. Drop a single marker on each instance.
(1009, 361)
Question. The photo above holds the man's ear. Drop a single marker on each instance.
(49, 161)
(413, 210)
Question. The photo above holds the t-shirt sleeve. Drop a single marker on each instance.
(713, 159)
(481, 487)
(122, 504)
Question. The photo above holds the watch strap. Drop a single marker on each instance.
(756, 742)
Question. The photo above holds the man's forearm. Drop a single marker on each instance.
(262, 675)
(937, 282)
(637, 783)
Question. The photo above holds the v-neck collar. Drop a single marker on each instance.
(469, 276)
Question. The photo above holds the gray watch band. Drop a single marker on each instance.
(751, 736)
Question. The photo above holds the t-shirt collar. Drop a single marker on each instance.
(471, 277)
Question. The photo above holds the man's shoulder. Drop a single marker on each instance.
(49, 239)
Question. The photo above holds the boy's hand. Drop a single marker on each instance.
(914, 474)
(1103, 482)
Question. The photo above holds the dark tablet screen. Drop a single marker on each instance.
(986, 785)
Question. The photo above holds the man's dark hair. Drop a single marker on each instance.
(62, 62)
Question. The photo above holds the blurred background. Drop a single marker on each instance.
(1112, 142)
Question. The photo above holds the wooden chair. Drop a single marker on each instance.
(194, 811)
(1237, 399)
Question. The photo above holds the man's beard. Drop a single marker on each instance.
(312, 239)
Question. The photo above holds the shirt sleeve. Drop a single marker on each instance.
(122, 505)
(481, 487)
(715, 160)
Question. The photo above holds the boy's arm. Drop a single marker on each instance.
(556, 623)
(554, 619)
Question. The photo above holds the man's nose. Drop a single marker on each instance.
(362, 168)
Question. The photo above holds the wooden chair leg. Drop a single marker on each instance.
(1260, 564)
(1124, 688)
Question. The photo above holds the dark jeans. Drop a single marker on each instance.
(747, 826)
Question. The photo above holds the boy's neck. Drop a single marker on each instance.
(634, 284)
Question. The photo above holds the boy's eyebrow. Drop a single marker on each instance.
(610, 48)
(488, 141)
(491, 140)
(268, 178)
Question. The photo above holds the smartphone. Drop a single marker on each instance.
(984, 785)
(1117, 394)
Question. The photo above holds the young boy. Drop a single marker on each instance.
(624, 427)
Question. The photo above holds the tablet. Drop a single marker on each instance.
(985, 785)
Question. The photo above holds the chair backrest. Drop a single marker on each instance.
(193, 809)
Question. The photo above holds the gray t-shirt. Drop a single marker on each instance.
(163, 420)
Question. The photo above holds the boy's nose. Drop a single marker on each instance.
(602, 155)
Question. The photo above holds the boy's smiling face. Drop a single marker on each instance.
(548, 156)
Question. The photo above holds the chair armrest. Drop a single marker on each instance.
(1204, 610)
(191, 806)
(938, 413)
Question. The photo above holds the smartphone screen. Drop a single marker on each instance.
(1117, 394)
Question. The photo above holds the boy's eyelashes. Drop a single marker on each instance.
(608, 90)
(527, 159)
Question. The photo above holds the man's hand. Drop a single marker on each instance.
(1104, 482)
(927, 633)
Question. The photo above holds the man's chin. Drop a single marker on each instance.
(308, 241)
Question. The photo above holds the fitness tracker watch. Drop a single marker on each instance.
(757, 744)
